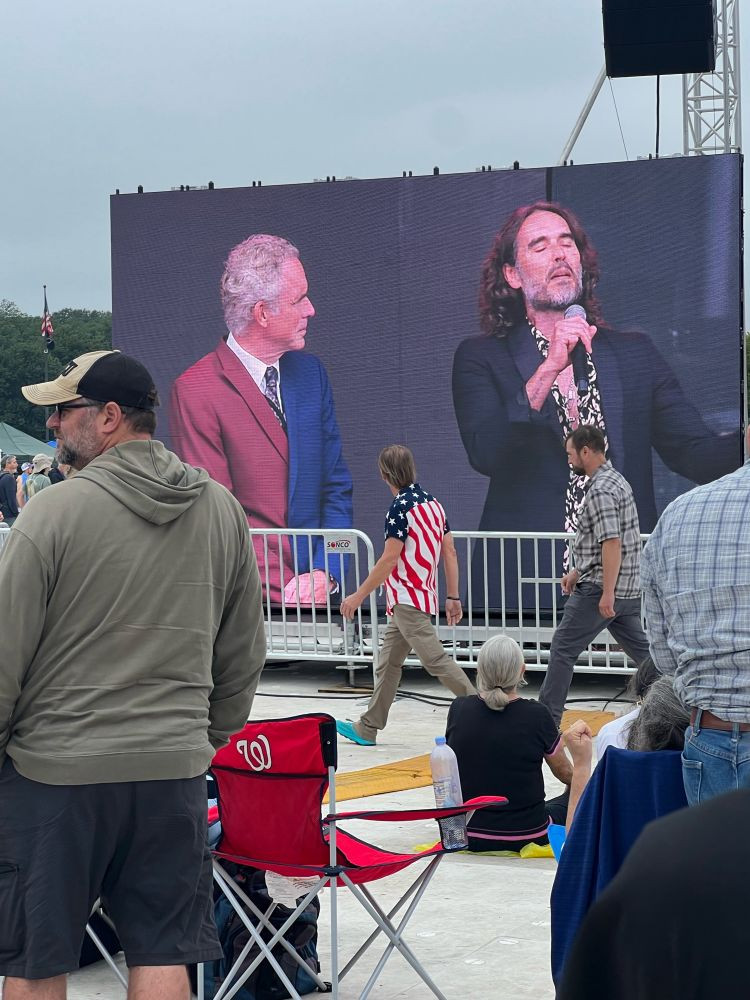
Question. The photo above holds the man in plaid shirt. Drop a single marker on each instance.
(696, 590)
(604, 587)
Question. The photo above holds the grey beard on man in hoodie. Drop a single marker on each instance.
(82, 445)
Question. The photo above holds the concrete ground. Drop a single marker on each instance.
(483, 928)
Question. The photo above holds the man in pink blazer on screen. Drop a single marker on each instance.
(257, 413)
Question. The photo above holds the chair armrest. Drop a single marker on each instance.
(405, 815)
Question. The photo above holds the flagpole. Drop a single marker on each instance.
(46, 364)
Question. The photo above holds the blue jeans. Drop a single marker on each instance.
(714, 761)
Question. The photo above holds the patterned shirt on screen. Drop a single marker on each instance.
(418, 520)
(589, 407)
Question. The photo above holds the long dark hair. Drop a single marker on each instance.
(500, 306)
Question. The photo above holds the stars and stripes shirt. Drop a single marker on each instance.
(696, 588)
(418, 520)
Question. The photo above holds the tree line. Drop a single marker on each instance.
(76, 331)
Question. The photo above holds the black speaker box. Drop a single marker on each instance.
(658, 37)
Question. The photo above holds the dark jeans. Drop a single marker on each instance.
(580, 625)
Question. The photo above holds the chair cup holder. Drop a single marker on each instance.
(453, 834)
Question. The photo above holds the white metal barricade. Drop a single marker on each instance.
(298, 630)
(4, 535)
(502, 572)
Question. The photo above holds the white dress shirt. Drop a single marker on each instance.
(254, 367)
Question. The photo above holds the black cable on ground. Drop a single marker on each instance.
(321, 697)
(616, 697)
(607, 701)
(437, 701)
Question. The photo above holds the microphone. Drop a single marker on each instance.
(578, 354)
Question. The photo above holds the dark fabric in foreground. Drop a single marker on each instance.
(673, 924)
(626, 791)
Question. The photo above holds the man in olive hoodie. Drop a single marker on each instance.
(135, 598)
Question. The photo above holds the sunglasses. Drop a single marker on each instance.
(60, 408)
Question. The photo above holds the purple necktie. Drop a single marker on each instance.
(271, 392)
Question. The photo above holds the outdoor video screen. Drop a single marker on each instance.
(426, 311)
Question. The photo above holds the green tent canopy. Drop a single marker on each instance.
(15, 442)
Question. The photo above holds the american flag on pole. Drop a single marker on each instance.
(47, 329)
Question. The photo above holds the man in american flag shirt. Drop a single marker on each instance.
(417, 538)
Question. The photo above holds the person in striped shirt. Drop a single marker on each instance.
(417, 538)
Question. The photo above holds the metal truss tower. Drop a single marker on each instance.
(711, 101)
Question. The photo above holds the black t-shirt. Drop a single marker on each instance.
(501, 753)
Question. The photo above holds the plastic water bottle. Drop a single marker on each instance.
(447, 785)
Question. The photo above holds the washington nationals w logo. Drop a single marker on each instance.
(257, 754)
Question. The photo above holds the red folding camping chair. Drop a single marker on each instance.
(271, 779)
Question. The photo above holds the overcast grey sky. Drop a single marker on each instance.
(98, 96)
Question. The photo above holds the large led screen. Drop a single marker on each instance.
(422, 311)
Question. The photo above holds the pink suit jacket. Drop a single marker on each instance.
(221, 422)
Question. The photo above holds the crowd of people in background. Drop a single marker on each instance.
(18, 484)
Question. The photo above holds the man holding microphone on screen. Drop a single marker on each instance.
(547, 363)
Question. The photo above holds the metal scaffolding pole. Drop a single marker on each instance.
(711, 101)
(585, 111)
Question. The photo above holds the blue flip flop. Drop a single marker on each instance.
(347, 730)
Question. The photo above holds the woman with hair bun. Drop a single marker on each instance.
(501, 740)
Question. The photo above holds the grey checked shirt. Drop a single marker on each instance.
(696, 582)
(608, 511)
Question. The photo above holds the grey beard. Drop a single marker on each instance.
(68, 456)
(546, 303)
(83, 450)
